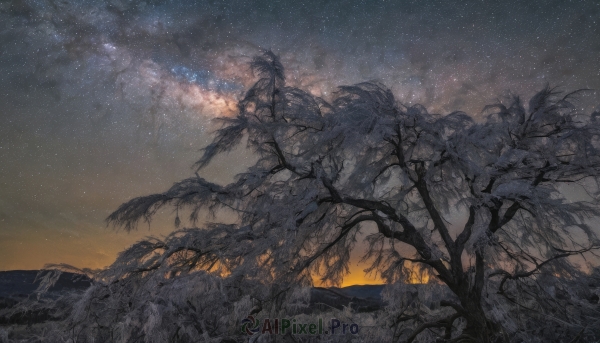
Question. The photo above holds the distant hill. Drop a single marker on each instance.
(18, 287)
(20, 283)
(361, 291)
(361, 298)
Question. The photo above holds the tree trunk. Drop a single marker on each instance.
(479, 328)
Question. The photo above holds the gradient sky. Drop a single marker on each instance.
(102, 101)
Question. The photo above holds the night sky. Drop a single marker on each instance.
(102, 101)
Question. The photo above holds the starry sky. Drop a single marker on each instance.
(105, 100)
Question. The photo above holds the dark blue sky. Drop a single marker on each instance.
(107, 100)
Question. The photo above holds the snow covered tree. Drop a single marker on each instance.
(329, 169)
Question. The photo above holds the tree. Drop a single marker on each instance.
(325, 170)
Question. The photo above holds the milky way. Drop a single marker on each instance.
(103, 101)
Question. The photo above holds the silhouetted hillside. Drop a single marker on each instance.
(17, 288)
(361, 298)
(20, 283)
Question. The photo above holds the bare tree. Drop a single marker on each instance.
(326, 169)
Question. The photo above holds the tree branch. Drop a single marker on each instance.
(446, 322)
(435, 215)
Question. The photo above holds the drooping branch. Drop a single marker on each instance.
(189, 192)
(412, 237)
(345, 229)
(538, 266)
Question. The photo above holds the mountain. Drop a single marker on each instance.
(20, 283)
(361, 298)
(361, 291)
(17, 295)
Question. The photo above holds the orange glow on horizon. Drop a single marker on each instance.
(357, 276)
